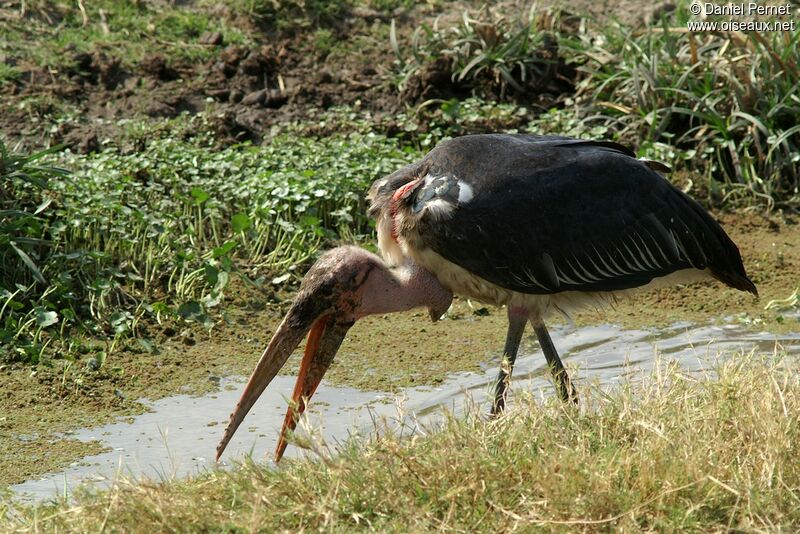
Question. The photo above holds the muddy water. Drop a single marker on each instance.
(178, 437)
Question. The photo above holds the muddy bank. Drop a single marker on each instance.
(382, 353)
(179, 436)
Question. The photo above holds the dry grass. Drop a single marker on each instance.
(670, 452)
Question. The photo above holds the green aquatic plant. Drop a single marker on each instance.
(162, 231)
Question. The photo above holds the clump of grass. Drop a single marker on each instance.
(674, 451)
(8, 73)
(294, 15)
(728, 101)
(125, 29)
(487, 52)
(27, 301)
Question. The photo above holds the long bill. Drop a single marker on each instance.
(281, 346)
(323, 343)
(325, 337)
(344, 284)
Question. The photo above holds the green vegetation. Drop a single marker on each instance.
(728, 102)
(8, 73)
(724, 105)
(23, 207)
(126, 29)
(295, 15)
(158, 233)
(486, 51)
(672, 452)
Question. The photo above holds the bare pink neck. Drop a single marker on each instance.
(403, 288)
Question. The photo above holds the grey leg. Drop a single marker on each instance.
(517, 317)
(566, 391)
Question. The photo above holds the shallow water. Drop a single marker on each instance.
(179, 435)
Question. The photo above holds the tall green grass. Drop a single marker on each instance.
(24, 247)
(670, 452)
(501, 52)
(723, 105)
(729, 101)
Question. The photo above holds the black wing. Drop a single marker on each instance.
(545, 215)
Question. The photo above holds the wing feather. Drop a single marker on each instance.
(548, 215)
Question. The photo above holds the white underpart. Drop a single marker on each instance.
(390, 250)
(462, 282)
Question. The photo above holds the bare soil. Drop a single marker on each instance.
(249, 89)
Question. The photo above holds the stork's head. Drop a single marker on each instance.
(345, 284)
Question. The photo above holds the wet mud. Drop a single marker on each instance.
(178, 436)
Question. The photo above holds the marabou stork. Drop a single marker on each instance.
(535, 223)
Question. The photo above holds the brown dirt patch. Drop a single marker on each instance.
(249, 89)
(246, 89)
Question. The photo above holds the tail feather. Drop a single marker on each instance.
(736, 281)
(724, 259)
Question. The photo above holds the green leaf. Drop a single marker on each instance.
(45, 318)
(160, 307)
(476, 60)
(222, 280)
(224, 249)
(211, 274)
(199, 195)
(191, 311)
(43, 206)
(240, 222)
(120, 321)
(37, 274)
